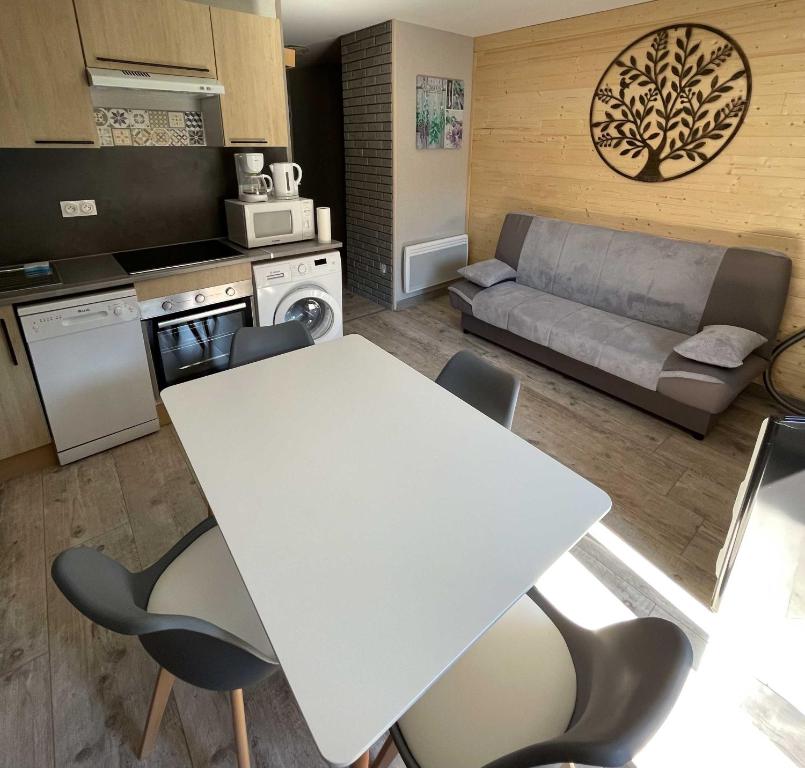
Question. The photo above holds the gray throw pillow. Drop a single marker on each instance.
(488, 273)
(726, 346)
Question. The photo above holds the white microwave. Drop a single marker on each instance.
(276, 221)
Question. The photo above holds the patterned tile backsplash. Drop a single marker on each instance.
(121, 127)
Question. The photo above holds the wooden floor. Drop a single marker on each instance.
(672, 494)
(72, 694)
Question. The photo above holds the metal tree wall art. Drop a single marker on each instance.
(670, 102)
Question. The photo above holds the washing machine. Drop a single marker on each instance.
(307, 289)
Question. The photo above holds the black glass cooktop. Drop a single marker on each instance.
(169, 256)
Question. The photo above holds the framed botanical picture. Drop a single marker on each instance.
(439, 112)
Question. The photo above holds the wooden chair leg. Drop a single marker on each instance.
(362, 761)
(239, 725)
(385, 757)
(159, 700)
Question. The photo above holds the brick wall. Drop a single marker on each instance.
(366, 77)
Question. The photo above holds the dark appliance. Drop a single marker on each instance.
(190, 334)
(169, 256)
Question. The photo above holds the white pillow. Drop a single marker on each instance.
(487, 273)
(726, 346)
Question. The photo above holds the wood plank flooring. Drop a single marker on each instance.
(72, 694)
(672, 494)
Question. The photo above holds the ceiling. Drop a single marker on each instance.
(316, 24)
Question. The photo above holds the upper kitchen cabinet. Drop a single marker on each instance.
(249, 53)
(43, 88)
(167, 36)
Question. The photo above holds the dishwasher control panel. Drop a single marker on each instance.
(69, 316)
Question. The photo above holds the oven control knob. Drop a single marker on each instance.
(302, 269)
(118, 311)
(230, 291)
(166, 305)
(200, 298)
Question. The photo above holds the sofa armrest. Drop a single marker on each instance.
(461, 294)
(707, 387)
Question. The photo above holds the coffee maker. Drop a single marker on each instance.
(254, 186)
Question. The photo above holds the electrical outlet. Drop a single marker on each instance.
(70, 208)
(88, 208)
(383, 268)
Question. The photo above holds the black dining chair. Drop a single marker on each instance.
(252, 344)
(485, 387)
(538, 689)
(191, 612)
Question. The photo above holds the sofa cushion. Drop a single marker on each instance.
(627, 348)
(488, 272)
(535, 319)
(637, 352)
(652, 279)
(726, 346)
(492, 305)
(542, 250)
(706, 387)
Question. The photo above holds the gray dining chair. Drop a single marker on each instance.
(191, 612)
(538, 689)
(485, 387)
(252, 344)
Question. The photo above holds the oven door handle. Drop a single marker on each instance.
(201, 315)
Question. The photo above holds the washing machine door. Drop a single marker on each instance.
(316, 309)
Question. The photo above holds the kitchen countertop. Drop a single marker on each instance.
(85, 274)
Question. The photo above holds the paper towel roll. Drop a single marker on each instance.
(323, 225)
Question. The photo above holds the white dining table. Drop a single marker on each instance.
(380, 524)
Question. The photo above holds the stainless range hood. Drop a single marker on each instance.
(149, 81)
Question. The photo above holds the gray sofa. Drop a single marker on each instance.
(607, 307)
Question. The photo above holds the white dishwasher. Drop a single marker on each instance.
(89, 358)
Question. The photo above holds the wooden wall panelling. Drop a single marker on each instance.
(531, 146)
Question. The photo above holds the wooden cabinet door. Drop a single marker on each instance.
(22, 422)
(249, 53)
(166, 36)
(43, 86)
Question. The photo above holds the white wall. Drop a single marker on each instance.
(430, 185)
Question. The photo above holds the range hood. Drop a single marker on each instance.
(149, 81)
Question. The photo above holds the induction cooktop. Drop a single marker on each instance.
(170, 256)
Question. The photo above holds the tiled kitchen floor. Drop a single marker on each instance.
(73, 694)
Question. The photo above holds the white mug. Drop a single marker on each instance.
(286, 182)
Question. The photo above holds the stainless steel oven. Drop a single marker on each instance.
(189, 335)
